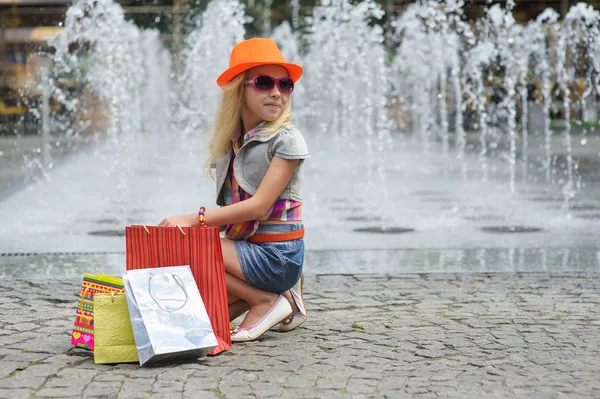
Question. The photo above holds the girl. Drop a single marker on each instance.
(258, 155)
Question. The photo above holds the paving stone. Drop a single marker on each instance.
(102, 389)
(29, 377)
(334, 394)
(6, 340)
(166, 387)
(198, 394)
(430, 353)
(8, 367)
(234, 392)
(396, 395)
(328, 382)
(301, 380)
(15, 393)
(361, 386)
(136, 388)
(63, 392)
(109, 376)
(266, 389)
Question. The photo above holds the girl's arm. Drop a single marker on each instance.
(276, 179)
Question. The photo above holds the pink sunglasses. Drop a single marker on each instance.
(266, 83)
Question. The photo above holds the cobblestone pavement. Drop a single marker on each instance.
(495, 335)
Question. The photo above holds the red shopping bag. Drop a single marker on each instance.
(198, 247)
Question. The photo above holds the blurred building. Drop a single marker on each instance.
(25, 26)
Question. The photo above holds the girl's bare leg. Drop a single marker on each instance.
(259, 301)
(237, 309)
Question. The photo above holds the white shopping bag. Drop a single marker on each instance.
(168, 316)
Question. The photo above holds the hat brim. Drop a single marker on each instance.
(294, 71)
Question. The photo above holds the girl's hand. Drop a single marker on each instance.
(181, 221)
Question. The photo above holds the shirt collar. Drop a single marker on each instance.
(250, 133)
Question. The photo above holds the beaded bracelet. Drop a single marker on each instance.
(201, 216)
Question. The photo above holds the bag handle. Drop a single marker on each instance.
(148, 231)
(156, 300)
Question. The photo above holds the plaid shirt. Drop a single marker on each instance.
(282, 209)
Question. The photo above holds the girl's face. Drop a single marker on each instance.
(263, 105)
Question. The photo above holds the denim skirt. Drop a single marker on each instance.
(272, 266)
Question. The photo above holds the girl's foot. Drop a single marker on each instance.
(258, 320)
(256, 312)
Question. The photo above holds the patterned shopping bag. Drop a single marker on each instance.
(198, 247)
(83, 328)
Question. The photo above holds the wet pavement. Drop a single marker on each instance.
(388, 262)
(400, 200)
(25, 159)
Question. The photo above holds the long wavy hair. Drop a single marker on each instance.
(228, 118)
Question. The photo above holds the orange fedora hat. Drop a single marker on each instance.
(255, 52)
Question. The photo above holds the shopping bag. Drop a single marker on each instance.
(167, 314)
(113, 335)
(198, 247)
(83, 327)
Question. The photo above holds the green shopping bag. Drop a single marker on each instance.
(113, 334)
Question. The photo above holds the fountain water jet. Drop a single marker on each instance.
(204, 57)
(345, 89)
(495, 62)
(126, 70)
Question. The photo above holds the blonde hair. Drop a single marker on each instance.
(228, 118)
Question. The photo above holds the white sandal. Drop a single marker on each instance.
(279, 312)
(296, 318)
